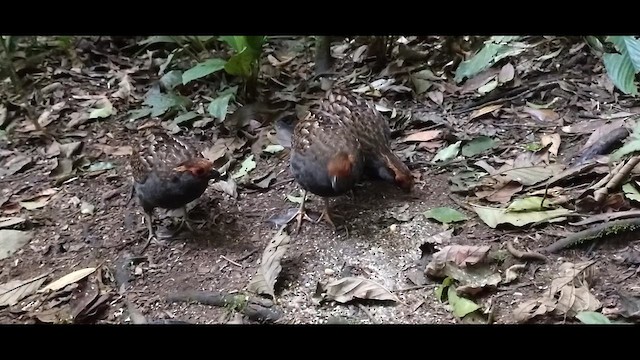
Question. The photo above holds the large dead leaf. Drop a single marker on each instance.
(554, 140)
(503, 194)
(351, 288)
(265, 279)
(11, 221)
(568, 295)
(16, 290)
(70, 278)
(423, 136)
(12, 240)
(532, 175)
(39, 200)
(459, 255)
(601, 131)
(484, 110)
(14, 165)
(496, 216)
(542, 114)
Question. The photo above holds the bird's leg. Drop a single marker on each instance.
(152, 234)
(327, 216)
(302, 213)
(186, 221)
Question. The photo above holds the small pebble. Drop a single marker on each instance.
(393, 227)
(138, 271)
(329, 271)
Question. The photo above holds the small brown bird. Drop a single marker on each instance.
(371, 129)
(325, 158)
(169, 174)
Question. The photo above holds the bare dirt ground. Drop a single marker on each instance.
(387, 227)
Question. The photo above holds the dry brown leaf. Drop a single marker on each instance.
(10, 221)
(542, 114)
(484, 110)
(15, 164)
(502, 195)
(554, 140)
(70, 278)
(125, 89)
(423, 136)
(436, 96)
(599, 132)
(114, 150)
(350, 288)
(506, 73)
(265, 279)
(16, 290)
(459, 255)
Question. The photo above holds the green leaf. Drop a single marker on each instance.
(496, 216)
(632, 145)
(295, 199)
(439, 291)
(272, 149)
(160, 102)
(633, 50)
(203, 69)
(531, 203)
(255, 42)
(99, 166)
(247, 165)
(461, 306)
(620, 71)
(445, 215)
(631, 192)
(477, 63)
(171, 79)
(219, 106)
(448, 153)
(139, 113)
(592, 317)
(158, 39)
(478, 146)
(237, 43)
(185, 117)
(104, 111)
(241, 64)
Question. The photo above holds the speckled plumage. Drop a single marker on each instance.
(168, 173)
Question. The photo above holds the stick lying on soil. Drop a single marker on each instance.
(525, 255)
(256, 309)
(610, 229)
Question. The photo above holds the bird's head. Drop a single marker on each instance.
(199, 168)
(340, 168)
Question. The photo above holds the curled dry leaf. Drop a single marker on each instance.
(265, 280)
(483, 111)
(474, 279)
(542, 114)
(513, 272)
(554, 140)
(70, 278)
(568, 295)
(16, 290)
(351, 288)
(459, 255)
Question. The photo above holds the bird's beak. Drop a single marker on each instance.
(334, 181)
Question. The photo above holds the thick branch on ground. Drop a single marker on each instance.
(525, 255)
(260, 310)
(608, 230)
(323, 57)
(617, 179)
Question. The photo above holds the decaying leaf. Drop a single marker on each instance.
(70, 278)
(554, 140)
(247, 165)
(228, 187)
(484, 110)
(351, 288)
(448, 153)
(503, 194)
(11, 221)
(542, 114)
(459, 255)
(265, 279)
(496, 216)
(16, 290)
(12, 240)
(15, 164)
(567, 295)
(423, 136)
(533, 174)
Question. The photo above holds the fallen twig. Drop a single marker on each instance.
(617, 179)
(256, 309)
(525, 255)
(369, 315)
(595, 233)
(608, 217)
(231, 261)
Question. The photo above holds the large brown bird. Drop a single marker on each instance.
(371, 129)
(325, 158)
(169, 174)
(341, 138)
